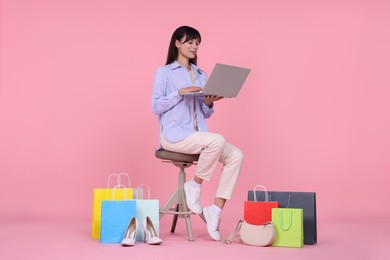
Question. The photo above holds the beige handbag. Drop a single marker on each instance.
(254, 235)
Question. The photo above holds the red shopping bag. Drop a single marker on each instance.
(259, 212)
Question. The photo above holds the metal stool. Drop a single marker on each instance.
(177, 199)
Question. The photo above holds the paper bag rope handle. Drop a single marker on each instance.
(118, 179)
(288, 202)
(139, 187)
(266, 197)
(118, 186)
(281, 221)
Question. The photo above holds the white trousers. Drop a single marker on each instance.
(212, 148)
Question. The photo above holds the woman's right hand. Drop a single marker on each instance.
(188, 90)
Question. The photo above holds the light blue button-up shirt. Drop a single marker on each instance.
(175, 112)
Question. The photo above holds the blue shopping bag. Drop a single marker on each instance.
(100, 194)
(116, 215)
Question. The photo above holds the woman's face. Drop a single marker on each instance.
(187, 49)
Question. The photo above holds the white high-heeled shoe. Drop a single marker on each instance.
(150, 234)
(129, 238)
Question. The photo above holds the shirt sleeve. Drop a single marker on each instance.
(207, 111)
(161, 101)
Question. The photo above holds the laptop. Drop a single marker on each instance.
(224, 81)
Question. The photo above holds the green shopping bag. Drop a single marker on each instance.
(288, 223)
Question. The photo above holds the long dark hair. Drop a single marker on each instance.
(190, 34)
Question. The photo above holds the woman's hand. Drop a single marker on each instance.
(208, 100)
(188, 90)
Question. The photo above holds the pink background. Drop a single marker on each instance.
(75, 89)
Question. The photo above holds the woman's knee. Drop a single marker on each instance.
(219, 140)
(238, 155)
(216, 143)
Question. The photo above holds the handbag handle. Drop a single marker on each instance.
(266, 197)
(281, 221)
(118, 179)
(139, 187)
(230, 238)
(117, 187)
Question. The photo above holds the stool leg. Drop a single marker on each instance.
(183, 204)
(189, 228)
(175, 217)
(174, 199)
(187, 217)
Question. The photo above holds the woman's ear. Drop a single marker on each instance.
(177, 43)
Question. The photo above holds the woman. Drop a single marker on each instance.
(183, 128)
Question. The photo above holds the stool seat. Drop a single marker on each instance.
(176, 157)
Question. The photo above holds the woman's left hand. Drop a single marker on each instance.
(208, 100)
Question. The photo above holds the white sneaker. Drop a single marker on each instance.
(212, 221)
(192, 198)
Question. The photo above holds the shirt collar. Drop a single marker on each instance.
(174, 65)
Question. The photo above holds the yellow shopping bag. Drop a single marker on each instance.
(100, 194)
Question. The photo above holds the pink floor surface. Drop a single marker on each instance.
(38, 239)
